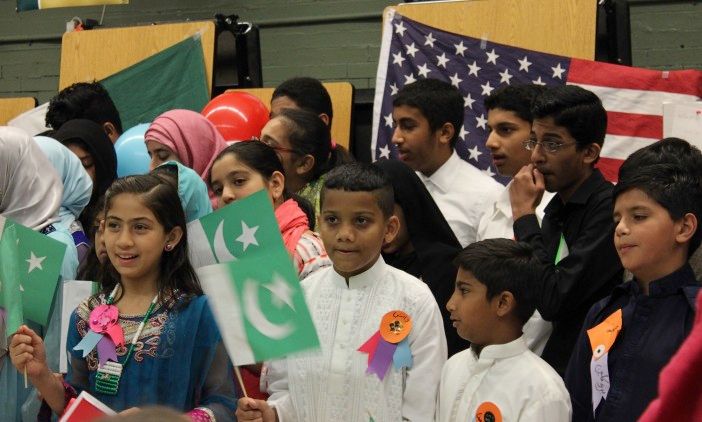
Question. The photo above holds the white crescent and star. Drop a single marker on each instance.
(221, 251)
(256, 317)
(34, 262)
(248, 235)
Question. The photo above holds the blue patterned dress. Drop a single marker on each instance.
(179, 360)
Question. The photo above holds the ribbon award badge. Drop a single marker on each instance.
(389, 344)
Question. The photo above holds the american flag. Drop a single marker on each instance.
(633, 97)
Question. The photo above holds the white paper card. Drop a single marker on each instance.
(74, 292)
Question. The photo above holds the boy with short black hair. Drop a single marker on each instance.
(498, 378)
(84, 100)
(346, 380)
(629, 336)
(305, 93)
(579, 264)
(428, 116)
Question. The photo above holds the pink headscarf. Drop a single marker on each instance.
(191, 136)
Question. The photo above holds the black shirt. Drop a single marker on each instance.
(653, 328)
(588, 273)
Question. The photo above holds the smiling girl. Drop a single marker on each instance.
(150, 299)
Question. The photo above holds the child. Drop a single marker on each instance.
(579, 265)
(656, 212)
(172, 352)
(187, 137)
(348, 303)
(87, 140)
(427, 116)
(509, 122)
(498, 378)
(303, 144)
(85, 100)
(191, 189)
(247, 167)
(305, 93)
(77, 190)
(91, 268)
(424, 246)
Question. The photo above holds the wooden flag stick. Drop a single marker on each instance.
(236, 371)
(25, 376)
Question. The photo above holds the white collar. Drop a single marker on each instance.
(503, 203)
(501, 351)
(371, 276)
(445, 176)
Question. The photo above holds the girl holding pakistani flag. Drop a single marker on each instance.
(247, 167)
(149, 337)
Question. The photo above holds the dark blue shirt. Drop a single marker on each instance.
(653, 327)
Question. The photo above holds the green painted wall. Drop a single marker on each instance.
(667, 35)
(327, 39)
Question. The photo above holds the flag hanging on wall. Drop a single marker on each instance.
(172, 78)
(633, 97)
(24, 5)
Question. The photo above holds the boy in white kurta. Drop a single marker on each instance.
(498, 378)
(347, 303)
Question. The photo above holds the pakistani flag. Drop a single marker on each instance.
(23, 5)
(30, 264)
(253, 288)
(245, 227)
(172, 78)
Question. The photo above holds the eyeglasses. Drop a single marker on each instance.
(550, 146)
(275, 147)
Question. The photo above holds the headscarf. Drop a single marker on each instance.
(191, 190)
(77, 185)
(293, 223)
(95, 140)
(435, 244)
(193, 138)
(30, 188)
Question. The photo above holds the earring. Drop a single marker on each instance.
(169, 248)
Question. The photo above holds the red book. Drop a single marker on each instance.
(85, 408)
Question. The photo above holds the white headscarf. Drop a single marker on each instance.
(30, 188)
(77, 185)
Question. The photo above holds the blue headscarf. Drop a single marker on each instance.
(191, 190)
(77, 185)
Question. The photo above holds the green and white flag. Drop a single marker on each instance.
(30, 264)
(259, 307)
(245, 227)
(254, 290)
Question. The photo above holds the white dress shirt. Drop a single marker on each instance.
(497, 223)
(521, 385)
(331, 384)
(463, 193)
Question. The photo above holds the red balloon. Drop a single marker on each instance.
(238, 116)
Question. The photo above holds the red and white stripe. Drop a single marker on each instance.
(633, 98)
